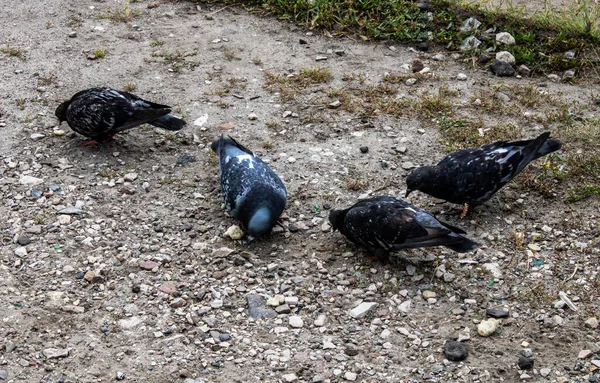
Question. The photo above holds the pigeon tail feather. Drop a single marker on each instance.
(464, 246)
(548, 147)
(169, 123)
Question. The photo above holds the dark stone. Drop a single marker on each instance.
(364, 149)
(502, 69)
(525, 363)
(455, 351)
(224, 337)
(135, 289)
(257, 306)
(36, 193)
(484, 58)
(79, 275)
(425, 5)
(417, 65)
(351, 350)
(422, 46)
(292, 228)
(185, 227)
(23, 240)
(185, 159)
(302, 41)
(597, 101)
(497, 313)
(326, 206)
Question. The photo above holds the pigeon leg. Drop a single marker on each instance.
(465, 211)
(109, 139)
(89, 143)
(461, 211)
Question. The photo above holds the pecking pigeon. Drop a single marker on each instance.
(472, 176)
(385, 224)
(100, 113)
(253, 193)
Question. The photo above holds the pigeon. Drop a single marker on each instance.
(386, 224)
(100, 113)
(473, 176)
(253, 193)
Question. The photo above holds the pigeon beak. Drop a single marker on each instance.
(408, 191)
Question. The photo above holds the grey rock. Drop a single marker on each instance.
(120, 375)
(505, 38)
(71, 211)
(524, 71)
(502, 69)
(470, 24)
(455, 351)
(23, 240)
(410, 81)
(506, 57)
(321, 58)
(362, 309)
(497, 313)
(364, 149)
(469, 43)
(525, 363)
(3, 374)
(257, 307)
(55, 353)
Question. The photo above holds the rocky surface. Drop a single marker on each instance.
(114, 265)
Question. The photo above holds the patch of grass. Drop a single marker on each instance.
(108, 173)
(99, 52)
(273, 125)
(355, 181)
(436, 103)
(14, 52)
(462, 132)
(541, 39)
(74, 21)
(289, 86)
(580, 192)
(129, 87)
(21, 103)
(230, 54)
(47, 80)
(120, 15)
(156, 43)
(178, 59)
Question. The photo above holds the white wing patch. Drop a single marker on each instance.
(246, 157)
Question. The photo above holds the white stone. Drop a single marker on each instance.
(30, 181)
(296, 321)
(592, 322)
(350, 376)
(362, 309)
(252, 117)
(461, 77)
(20, 251)
(584, 354)
(545, 372)
(488, 327)
(320, 321)
(385, 333)
(505, 38)
(234, 232)
(130, 177)
(506, 57)
(289, 377)
(405, 306)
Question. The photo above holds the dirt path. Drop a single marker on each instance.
(166, 303)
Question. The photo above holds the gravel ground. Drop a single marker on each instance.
(114, 266)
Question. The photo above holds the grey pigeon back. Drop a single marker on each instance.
(473, 176)
(253, 193)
